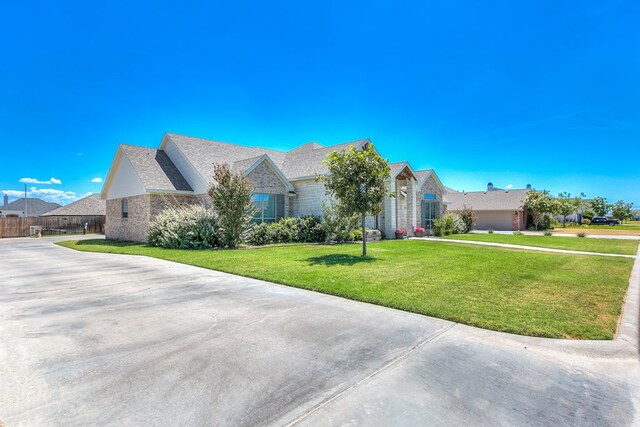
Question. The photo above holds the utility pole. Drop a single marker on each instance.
(25, 201)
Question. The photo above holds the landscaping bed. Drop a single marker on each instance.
(605, 246)
(529, 293)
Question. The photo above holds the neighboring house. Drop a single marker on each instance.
(87, 206)
(495, 209)
(144, 181)
(32, 207)
(636, 215)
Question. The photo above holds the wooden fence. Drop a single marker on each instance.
(20, 227)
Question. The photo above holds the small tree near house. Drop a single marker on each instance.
(539, 204)
(231, 198)
(622, 210)
(356, 179)
(600, 206)
(566, 205)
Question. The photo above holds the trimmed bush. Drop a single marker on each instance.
(288, 230)
(310, 229)
(260, 235)
(448, 224)
(184, 227)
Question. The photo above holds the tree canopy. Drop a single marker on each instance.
(356, 181)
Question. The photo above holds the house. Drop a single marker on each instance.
(89, 211)
(495, 208)
(91, 205)
(143, 181)
(26, 207)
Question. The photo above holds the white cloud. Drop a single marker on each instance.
(47, 194)
(96, 180)
(50, 181)
(509, 186)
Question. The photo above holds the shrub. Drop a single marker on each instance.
(582, 234)
(448, 224)
(284, 231)
(288, 230)
(588, 214)
(260, 235)
(337, 227)
(357, 234)
(185, 227)
(231, 198)
(548, 233)
(585, 221)
(517, 233)
(490, 230)
(468, 218)
(310, 229)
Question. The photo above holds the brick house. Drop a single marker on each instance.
(143, 181)
(495, 208)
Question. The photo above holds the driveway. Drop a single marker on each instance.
(114, 339)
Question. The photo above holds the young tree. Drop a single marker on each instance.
(356, 179)
(600, 206)
(622, 210)
(566, 206)
(231, 199)
(539, 204)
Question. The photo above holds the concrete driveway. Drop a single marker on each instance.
(113, 339)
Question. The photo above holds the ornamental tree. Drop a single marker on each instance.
(356, 180)
(232, 204)
(565, 206)
(539, 204)
(622, 210)
(600, 206)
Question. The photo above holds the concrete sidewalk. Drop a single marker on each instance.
(528, 248)
(113, 339)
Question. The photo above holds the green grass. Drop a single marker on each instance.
(518, 291)
(633, 225)
(605, 246)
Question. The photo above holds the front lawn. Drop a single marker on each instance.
(605, 246)
(523, 292)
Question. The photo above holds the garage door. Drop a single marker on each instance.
(498, 220)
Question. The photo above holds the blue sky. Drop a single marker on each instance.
(540, 92)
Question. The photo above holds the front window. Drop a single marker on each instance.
(430, 212)
(125, 208)
(269, 207)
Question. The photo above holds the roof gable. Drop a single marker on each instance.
(246, 166)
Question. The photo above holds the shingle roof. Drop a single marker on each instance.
(203, 153)
(303, 161)
(87, 206)
(35, 207)
(511, 200)
(423, 175)
(306, 160)
(155, 169)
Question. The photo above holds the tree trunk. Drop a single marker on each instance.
(364, 238)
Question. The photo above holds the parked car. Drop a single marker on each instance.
(601, 220)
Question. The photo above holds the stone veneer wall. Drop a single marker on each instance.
(429, 187)
(265, 181)
(142, 209)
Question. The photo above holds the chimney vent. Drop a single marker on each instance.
(528, 186)
(490, 186)
(6, 199)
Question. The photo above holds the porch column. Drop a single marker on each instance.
(389, 206)
(412, 217)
